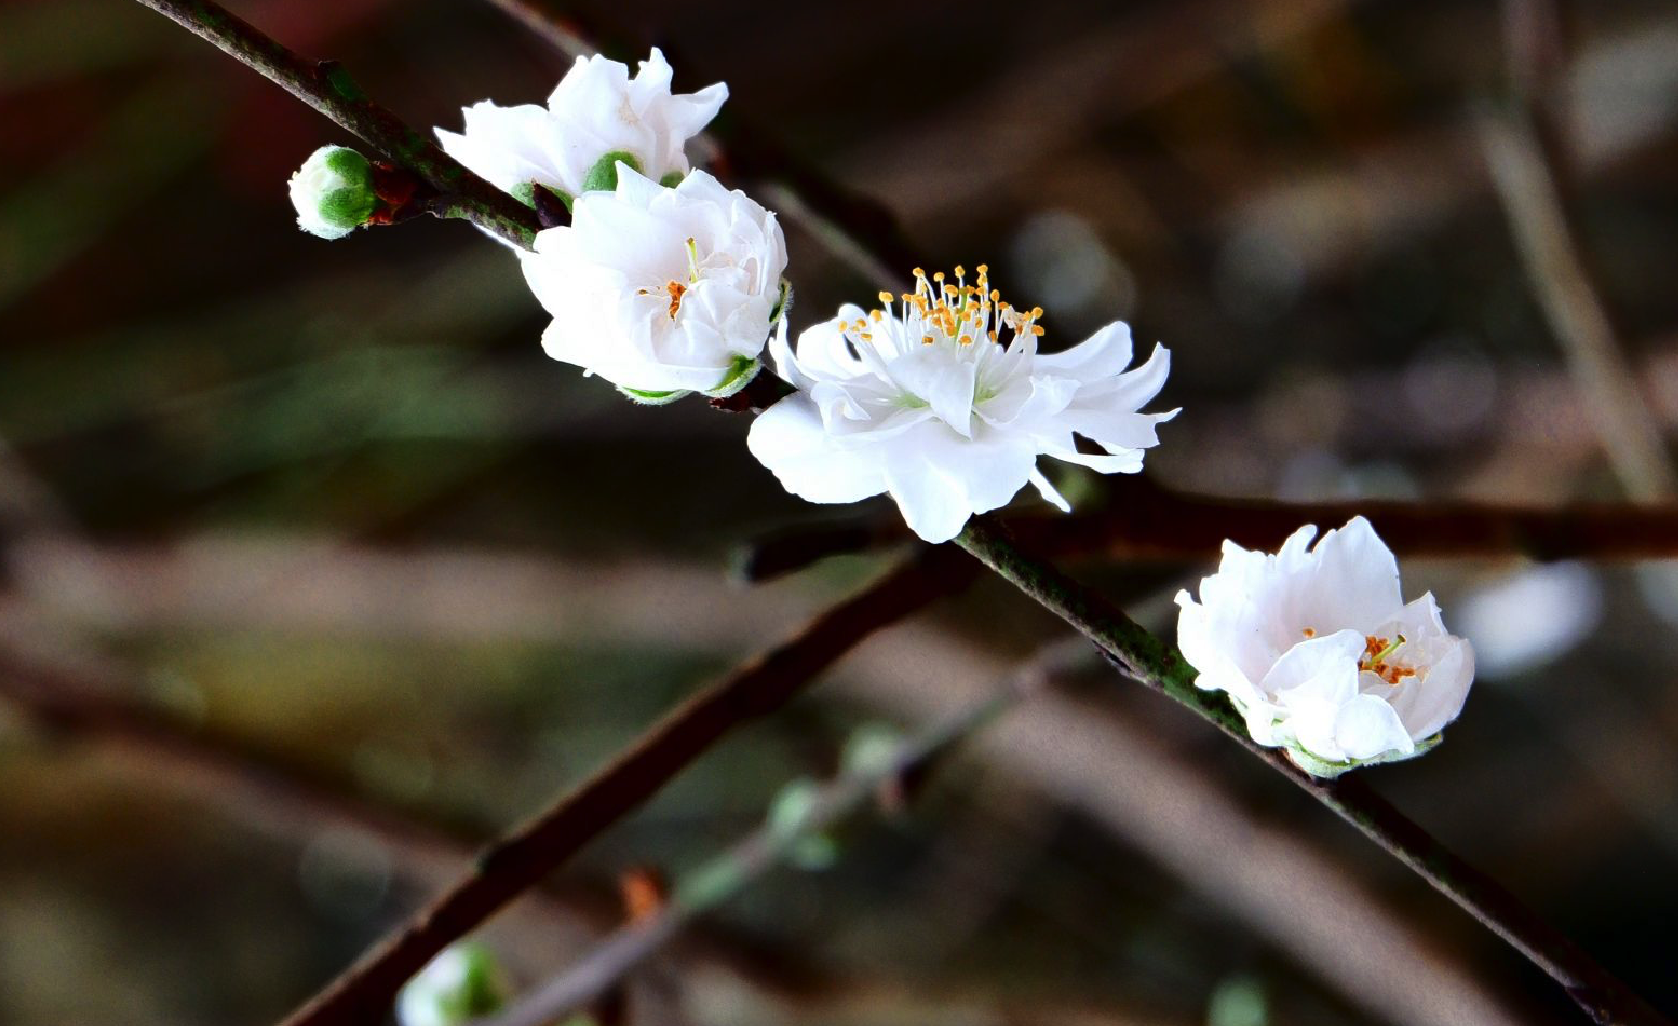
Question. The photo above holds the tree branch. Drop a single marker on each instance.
(1142, 521)
(726, 875)
(364, 993)
(329, 89)
(1160, 666)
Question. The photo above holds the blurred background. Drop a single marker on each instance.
(384, 579)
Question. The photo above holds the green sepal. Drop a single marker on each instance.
(672, 179)
(783, 303)
(741, 371)
(1324, 769)
(603, 176)
(525, 192)
(652, 398)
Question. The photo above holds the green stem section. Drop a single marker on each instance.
(1159, 665)
(329, 89)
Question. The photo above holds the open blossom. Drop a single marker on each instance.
(596, 110)
(924, 401)
(1319, 652)
(661, 291)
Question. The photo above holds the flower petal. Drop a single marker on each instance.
(789, 440)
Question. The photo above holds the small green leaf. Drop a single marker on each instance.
(603, 176)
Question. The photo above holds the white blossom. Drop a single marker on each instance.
(661, 291)
(1317, 649)
(596, 110)
(333, 192)
(922, 400)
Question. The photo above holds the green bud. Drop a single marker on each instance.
(333, 192)
(462, 984)
(741, 371)
(603, 176)
(789, 818)
(672, 179)
(1238, 1001)
(871, 750)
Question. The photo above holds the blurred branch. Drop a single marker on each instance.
(1142, 521)
(770, 845)
(1570, 302)
(364, 992)
(1160, 666)
(1524, 171)
(329, 89)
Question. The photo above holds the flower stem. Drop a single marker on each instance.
(1159, 665)
(326, 87)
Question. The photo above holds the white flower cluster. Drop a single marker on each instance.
(665, 282)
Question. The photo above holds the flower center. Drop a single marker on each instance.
(958, 314)
(1377, 659)
(675, 289)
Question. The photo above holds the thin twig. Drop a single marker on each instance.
(329, 89)
(1142, 521)
(855, 230)
(1159, 665)
(772, 844)
(1525, 154)
(364, 992)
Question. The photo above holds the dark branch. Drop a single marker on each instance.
(1141, 521)
(364, 993)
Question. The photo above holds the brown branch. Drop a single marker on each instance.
(364, 993)
(1142, 521)
(329, 89)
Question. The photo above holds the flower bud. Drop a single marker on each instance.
(790, 818)
(461, 984)
(333, 192)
